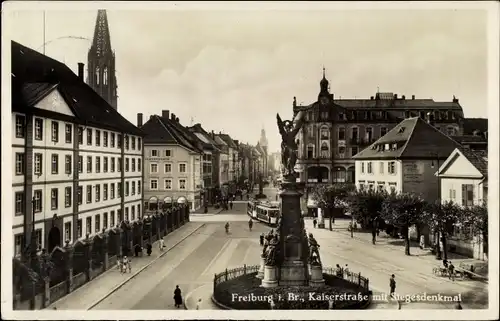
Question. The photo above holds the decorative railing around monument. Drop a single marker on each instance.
(354, 278)
(73, 265)
(230, 274)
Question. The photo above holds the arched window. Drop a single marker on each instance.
(324, 133)
(324, 150)
(97, 75)
(105, 75)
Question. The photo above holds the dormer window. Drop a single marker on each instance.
(401, 130)
(395, 146)
(341, 116)
(386, 147)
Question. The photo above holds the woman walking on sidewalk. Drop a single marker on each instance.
(177, 296)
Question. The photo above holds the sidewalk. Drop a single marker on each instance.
(204, 293)
(93, 292)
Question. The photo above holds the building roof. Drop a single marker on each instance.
(472, 124)
(412, 138)
(204, 137)
(228, 140)
(35, 75)
(478, 159)
(468, 139)
(161, 130)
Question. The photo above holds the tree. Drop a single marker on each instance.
(441, 218)
(365, 206)
(330, 197)
(476, 218)
(403, 210)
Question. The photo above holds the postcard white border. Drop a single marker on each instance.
(493, 116)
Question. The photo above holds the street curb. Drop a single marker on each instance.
(186, 298)
(116, 288)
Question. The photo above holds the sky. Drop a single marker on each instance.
(232, 71)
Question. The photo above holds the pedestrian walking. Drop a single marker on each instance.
(162, 244)
(129, 266)
(451, 270)
(422, 242)
(338, 271)
(392, 285)
(250, 224)
(346, 270)
(198, 304)
(149, 249)
(177, 296)
(261, 238)
(314, 223)
(231, 204)
(124, 264)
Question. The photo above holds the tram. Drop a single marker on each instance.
(266, 212)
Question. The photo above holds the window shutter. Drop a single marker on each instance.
(464, 194)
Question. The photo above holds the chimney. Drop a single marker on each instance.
(172, 116)
(412, 97)
(395, 96)
(213, 135)
(371, 98)
(165, 113)
(139, 119)
(403, 97)
(80, 70)
(177, 119)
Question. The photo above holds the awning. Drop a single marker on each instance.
(153, 199)
(167, 200)
(181, 200)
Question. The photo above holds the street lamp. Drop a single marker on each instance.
(438, 244)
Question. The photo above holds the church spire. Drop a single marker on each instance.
(101, 62)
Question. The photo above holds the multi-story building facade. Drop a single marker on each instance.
(232, 153)
(78, 162)
(337, 129)
(172, 163)
(223, 159)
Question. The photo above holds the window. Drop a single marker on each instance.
(112, 140)
(168, 184)
(154, 184)
(19, 163)
(126, 142)
(89, 193)
(105, 220)
(139, 168)
(112, 164)
(105, 164)
(88, 225)
(38, 201)
(80, 195)
(126, 214)
(98, 137)
(97, 164)
(53, 198)
(67, 196)
(381, 167)
(467, 194)
(112, 191)
(392, 187)
(38, 164)
(19, 203)
(138, 187)
(67, 231)
(324, 133)
(362, 167)
(119, 141)
(38, 236)
(79, 228)
(133, 164)
(391, 167)
(55, 131)
(67, 164)
(154, 153)
(132, 213)
(120, 215)
(20, 126)
(381, 187)
(154, 168)
(105, 139)
(383, 131)
(369, 168)
(18, 244)
(89, 136)
(341, 133)
(369, 134)
(341, 152)
(182, 168)
(354, 150)
(310, 152)
(325, 150)
(354, 134)
(168, 168)
(55, 163)
(138, 211)
(80, 164)
(97, 223)
(119, 169)
(127, 163)
(133, 142)
(112, 219)
(168, 153)
(133, 188)
(182, 184)
(97, 193)
(119, 189)
(89, 164)
(38, 129)
(139, 143)
(104, 192)
(80, 135)
(127, 188)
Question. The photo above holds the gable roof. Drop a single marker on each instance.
(228, 140)
(35, 75)
(414, 138)
(478, 159)
(161, 130)
(204, 137)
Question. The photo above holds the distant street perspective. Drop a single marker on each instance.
(151, 177)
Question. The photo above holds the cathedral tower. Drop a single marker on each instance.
(101, 74)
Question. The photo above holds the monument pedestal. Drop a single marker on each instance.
(270, 279)
(316, 276)
(293, 273)
(260, 274)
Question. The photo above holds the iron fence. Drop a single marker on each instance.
(230, 274)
